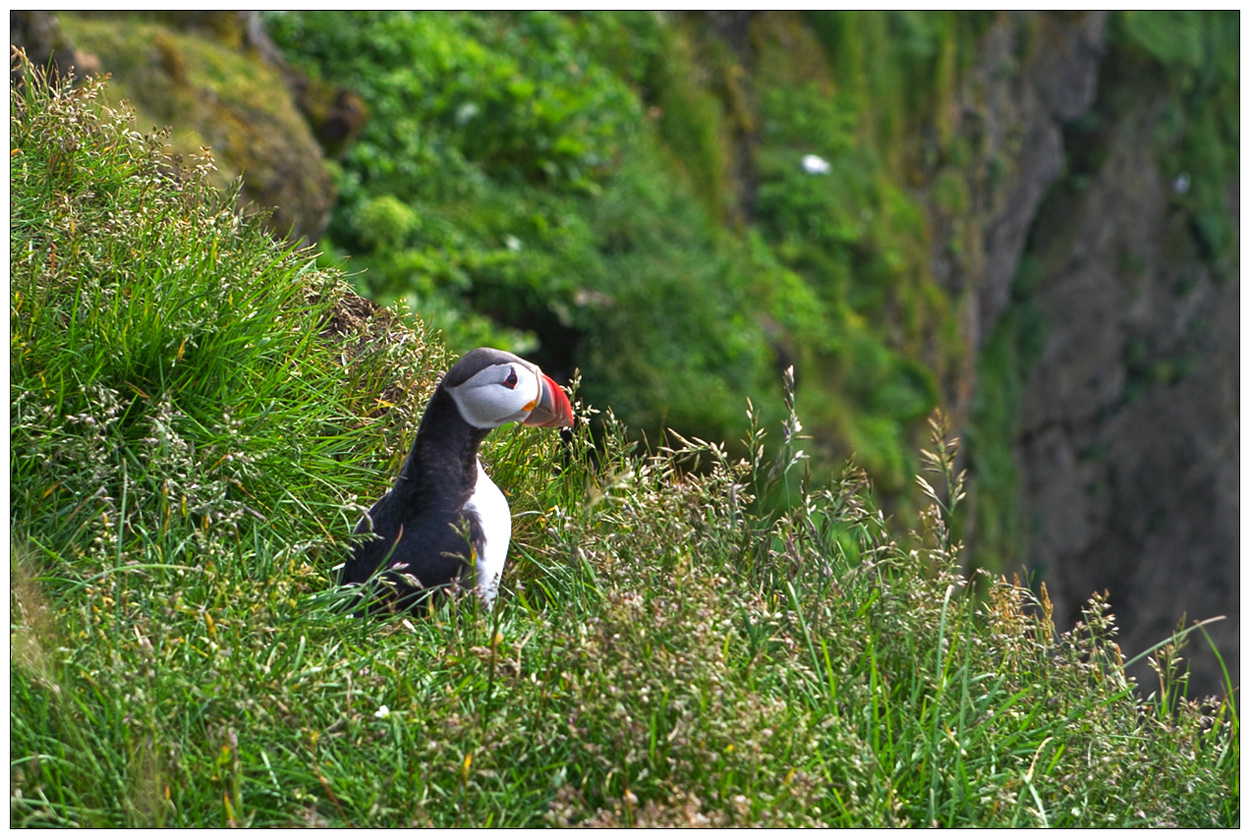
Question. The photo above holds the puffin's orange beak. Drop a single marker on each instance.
(552, 409)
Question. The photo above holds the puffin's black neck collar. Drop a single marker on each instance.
(445, 451)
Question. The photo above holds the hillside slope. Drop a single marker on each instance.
(198, 413)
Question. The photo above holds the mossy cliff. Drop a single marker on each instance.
(206, 77)
(1028, 220)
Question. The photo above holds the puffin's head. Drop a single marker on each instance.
(493, 387)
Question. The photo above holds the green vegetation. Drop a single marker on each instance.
(485, 192)
(1005, 359)
(197, 416)
(561, 185)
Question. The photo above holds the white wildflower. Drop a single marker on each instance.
(814, 165)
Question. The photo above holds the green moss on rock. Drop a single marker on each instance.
(216, 96)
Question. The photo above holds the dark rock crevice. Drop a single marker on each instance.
(1128, 442)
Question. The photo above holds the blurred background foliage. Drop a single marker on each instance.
(565, 186)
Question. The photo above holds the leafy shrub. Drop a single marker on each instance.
(569, 195)
(546, 217)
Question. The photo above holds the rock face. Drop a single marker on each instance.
(1023, 123)
(1129, 436)
(1015, 122)
(39, 34)
(1127, 442)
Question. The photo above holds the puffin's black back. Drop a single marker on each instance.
(421, 528)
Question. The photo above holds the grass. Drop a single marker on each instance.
(198, 417)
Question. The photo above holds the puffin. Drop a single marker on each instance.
(444, 520)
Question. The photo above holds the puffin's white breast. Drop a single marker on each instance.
(495, 518)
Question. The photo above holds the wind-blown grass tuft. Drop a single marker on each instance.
(198, 418)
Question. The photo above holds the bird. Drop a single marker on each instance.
(444, 520)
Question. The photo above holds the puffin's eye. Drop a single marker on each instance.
(510, 382)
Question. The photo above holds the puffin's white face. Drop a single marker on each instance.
(499, 394)
(492, 387)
